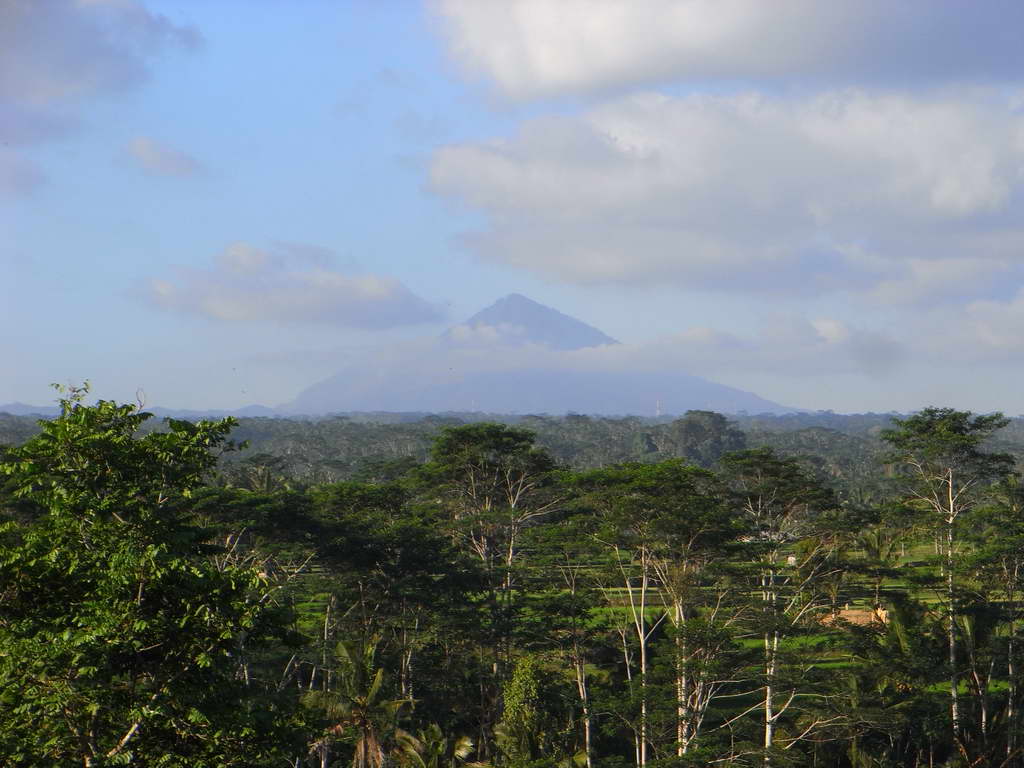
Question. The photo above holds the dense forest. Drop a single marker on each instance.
(812, 589)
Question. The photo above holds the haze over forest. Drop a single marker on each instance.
(219, 205)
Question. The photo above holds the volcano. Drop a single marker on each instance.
(519, 356)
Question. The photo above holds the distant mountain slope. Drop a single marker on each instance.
(516, 357)
(48, 411)
(529, 390)
(24, 409)
(516, 318)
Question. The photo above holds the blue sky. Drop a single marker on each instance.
(220, 203)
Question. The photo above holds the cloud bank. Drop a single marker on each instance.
(794, 154)
(537, 48)
(891, 195)
(289, 284)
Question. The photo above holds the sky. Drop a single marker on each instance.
(212, 204)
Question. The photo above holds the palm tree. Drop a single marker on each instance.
(889, 707)
(358, 708)
(438, 751)
(880, 546)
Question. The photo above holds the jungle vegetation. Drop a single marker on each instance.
(761, 591)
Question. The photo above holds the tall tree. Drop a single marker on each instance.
(792, 540)
(995, 568)
(945, 468)
(665, 524)
(492, 483)
(703, 437)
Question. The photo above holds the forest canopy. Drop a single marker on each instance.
(572, 591)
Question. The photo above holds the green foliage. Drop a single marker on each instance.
(438, 751)
(520, 726)
(939, 439)
(529, 726)
(359, 711)
(475, 601)
(678, 505)
(483, 463)
(703, 437)
(121, 640)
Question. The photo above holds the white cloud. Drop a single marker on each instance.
(56, 54)
(159, 158)
(481, 335)
(289, 284)
(840, 191)
(532, 48)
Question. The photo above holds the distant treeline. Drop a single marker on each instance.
(843, 449)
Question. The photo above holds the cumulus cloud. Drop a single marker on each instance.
(159, 158)
(289, 284)
(537, 48)
(839, 191)
(55, 54)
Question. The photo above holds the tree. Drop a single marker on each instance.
(703, 437)
(493, 483)
(439, 751)
(995, 567)
(121, 639)
(945, 467)
(793, 541)
(358, 709)
(893, 708)
(665, 526)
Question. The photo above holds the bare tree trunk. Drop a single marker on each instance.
(682, 688)
(581, 687)
(954, 680)
(771, 647)
(771, 650)
(1011, 672)
(642, 634)
(1011, 712)
(643, 692)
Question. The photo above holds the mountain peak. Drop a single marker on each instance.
(517, 298)
(517, 319)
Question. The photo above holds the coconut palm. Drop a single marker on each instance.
(359, 708)
(880, 545)
(438, 751)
